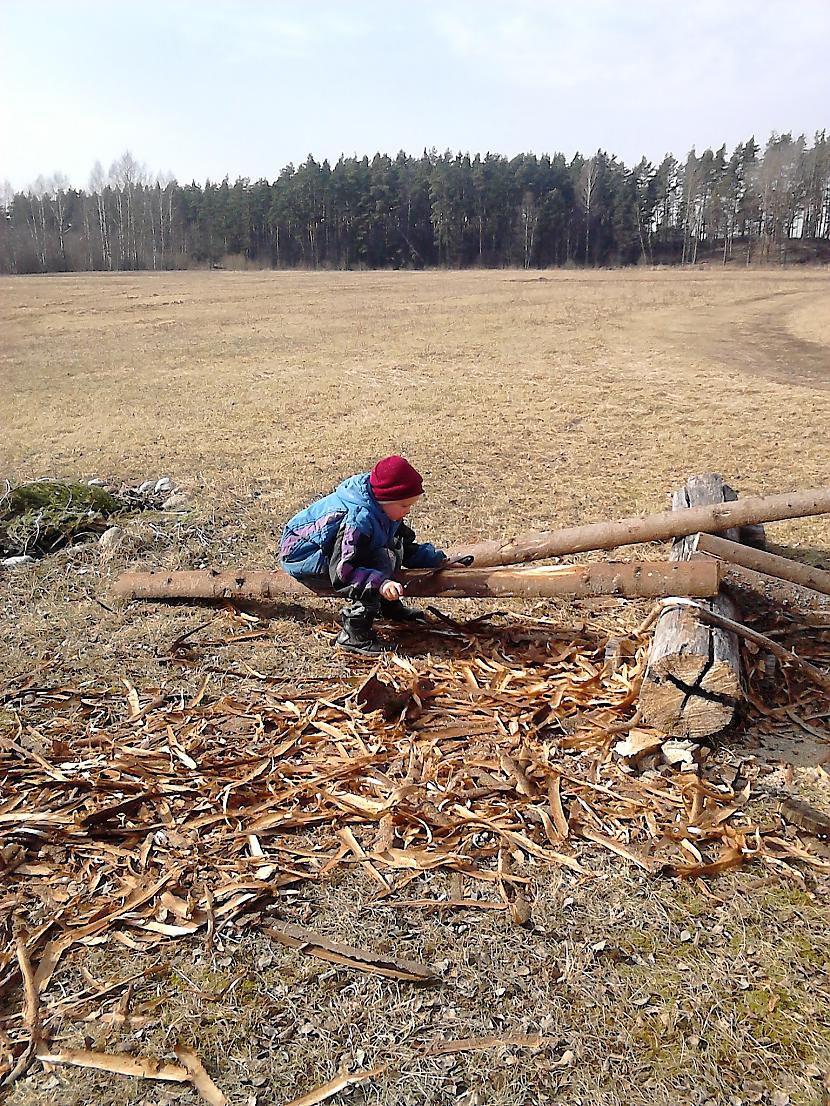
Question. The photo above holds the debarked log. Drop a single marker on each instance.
(627, 579)
(705, 517)
(693, 682)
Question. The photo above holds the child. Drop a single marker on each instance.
(354, 541)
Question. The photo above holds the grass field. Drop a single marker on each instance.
(527, 401)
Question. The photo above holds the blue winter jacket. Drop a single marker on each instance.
(345, 539)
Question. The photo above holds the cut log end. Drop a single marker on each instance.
(682, 711)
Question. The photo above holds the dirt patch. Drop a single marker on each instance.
(773, 335)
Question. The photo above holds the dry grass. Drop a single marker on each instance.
(527, 402)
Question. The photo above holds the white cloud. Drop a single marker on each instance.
(608, 44)
(646, 75)
(260, 28)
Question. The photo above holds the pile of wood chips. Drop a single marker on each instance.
(143, 817)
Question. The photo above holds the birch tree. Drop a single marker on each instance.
(585, 191)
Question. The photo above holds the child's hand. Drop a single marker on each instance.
(391, 590)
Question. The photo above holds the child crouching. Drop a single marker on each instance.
(354, 541)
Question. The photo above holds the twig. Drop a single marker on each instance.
(468, 627)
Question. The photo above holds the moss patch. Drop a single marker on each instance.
(46, 515)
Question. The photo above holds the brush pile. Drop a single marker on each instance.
(146, 817)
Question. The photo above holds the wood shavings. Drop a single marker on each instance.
(31, 1017)
(178, 816)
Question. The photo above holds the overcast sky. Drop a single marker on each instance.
(208, 88)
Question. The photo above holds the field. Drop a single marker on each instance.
(527, 401)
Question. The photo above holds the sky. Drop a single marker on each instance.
(203, 89)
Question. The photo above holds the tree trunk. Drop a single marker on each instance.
(781, 567)
(628, 579)
(711, 518)
(694, 681)
(88, 235)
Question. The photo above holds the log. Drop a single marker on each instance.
(739, 580)
(709, 518)
(769, 563)
(693, 682)
(628, 579)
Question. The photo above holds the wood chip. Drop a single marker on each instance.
(805, 816)
(363, 960)
(639, 742)
(199, 1077)
(335, 1086)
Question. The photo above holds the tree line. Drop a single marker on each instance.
(453, 210)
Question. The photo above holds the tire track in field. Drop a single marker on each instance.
(752, 336)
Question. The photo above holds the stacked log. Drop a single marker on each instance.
(782, 568)
(709, 517)
(694, 683)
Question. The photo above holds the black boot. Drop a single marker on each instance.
(397, 611)
(357, 636)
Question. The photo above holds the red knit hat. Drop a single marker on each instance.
(394, 478)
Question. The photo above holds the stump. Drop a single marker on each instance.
(694, 683)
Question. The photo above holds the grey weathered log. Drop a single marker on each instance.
(770, 564)
(693, 682)
(712, 518)
(745, 583)
(628, 579)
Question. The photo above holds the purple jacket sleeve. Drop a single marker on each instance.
(345, 568)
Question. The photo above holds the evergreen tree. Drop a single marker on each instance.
(447, 209)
